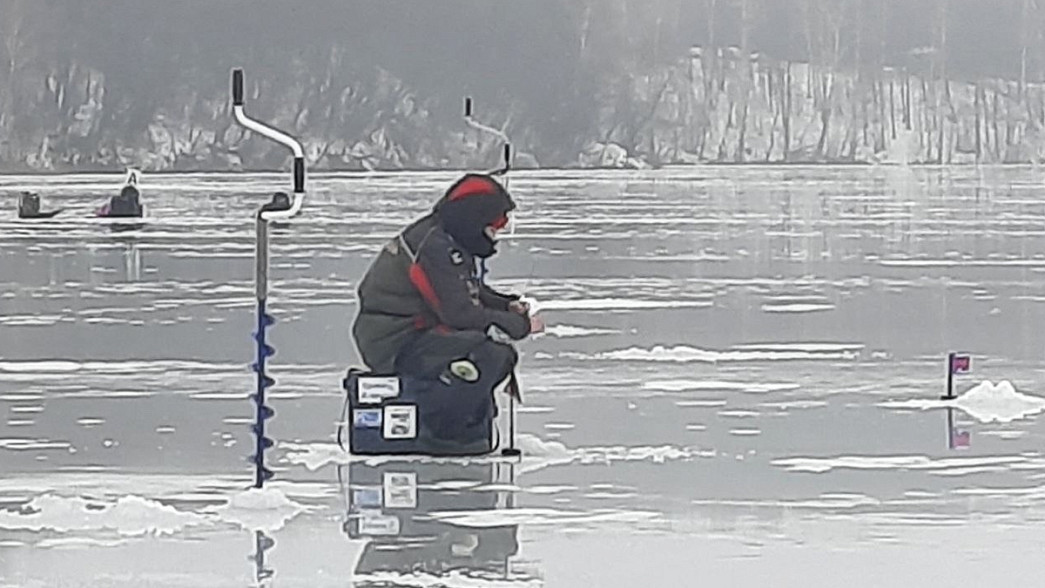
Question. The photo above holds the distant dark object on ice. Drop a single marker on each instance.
(29, 207)
(280, 201)
(125, 205)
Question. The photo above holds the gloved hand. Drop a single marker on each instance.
(519, 306)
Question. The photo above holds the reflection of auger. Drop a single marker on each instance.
(262, 543)
(267, 213)
(513, 382)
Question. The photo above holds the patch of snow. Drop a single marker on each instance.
(792, 308)
(684, 354)
(820, 465)
(263, 509)
(129, 515)
(622, 304)
(564, 331)
(986, 402)
(699, 385)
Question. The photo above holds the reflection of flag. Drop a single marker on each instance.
(960, 364)
(959, 438)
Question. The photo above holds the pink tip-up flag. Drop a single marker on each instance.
(960, 364)
(957, 363)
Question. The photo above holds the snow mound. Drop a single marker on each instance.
(261, 509)
(716, 385)
(314, 455)
(539, 454)
(685, 354)
(797, 307)
(129, 515)
(421, 579)
(986, 402)
(820, 465)
(536, 454)
(621, 304)
(563, 331)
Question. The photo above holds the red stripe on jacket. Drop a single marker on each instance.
(419, 279)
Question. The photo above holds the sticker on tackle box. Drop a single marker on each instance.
(400, 422)
(366, 418)
(374, 390)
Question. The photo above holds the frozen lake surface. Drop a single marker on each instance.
(740, 386)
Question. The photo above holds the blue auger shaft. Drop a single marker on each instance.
(263, 352)
(262, 411)
(259, 399)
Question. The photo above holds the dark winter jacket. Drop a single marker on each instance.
(126, 204)
(426, 278)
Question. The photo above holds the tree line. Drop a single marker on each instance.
(96, 82)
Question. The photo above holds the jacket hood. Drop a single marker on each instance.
(472, 203)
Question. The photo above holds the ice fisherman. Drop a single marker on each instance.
(425, 312)
(126, 204)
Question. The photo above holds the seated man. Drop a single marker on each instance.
(424, 312)
(126, 204)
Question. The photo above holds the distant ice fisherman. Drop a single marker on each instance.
(127, 204)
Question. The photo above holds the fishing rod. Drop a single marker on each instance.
(513, 381)
(278, 209)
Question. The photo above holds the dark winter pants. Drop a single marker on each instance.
(460, 410)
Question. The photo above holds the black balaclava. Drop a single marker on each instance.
(473, 203)
(129, 193)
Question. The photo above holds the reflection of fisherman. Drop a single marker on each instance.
(29, 206)
(127, 204)
(445, 549)
(425, 313)
(405, 538)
